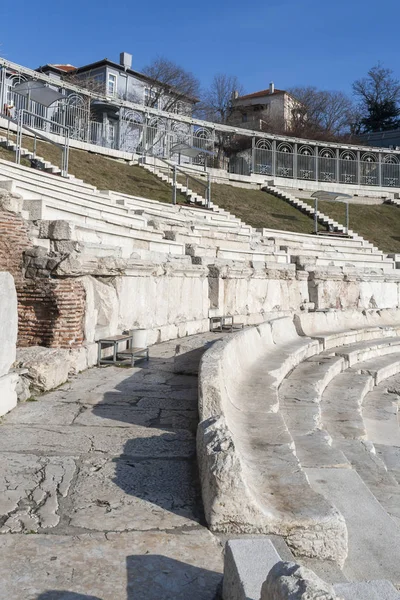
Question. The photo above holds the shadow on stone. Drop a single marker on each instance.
(152, 577)
(157, 577)
(158, 469)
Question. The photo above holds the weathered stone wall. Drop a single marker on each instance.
(8, 338)
(50, 312)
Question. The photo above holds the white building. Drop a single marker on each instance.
(266, 110)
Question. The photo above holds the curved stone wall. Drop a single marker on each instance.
(252, 478)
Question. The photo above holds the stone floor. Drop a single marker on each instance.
(99, 495)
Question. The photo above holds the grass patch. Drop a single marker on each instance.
(260, 209)
(377, 223)
(380, 224)
(103, 172)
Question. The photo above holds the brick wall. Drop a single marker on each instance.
(50, 311)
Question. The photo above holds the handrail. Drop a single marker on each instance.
(19, 122)
(176, 169)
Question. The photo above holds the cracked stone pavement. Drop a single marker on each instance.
(99, 493)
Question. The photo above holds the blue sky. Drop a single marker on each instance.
(292, 42)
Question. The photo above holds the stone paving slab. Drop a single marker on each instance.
(37, 413)
(112, 450)
(71, 440)
(123, 566)
(121, 495)
(116, 416)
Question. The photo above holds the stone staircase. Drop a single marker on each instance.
(309, 210)
(192, 197)
(105, 223)
(45, 165)
(394, 201)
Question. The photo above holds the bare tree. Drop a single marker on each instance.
(216, 106)
(170, 87)
(321, 112)
(216, 102)
(379, 97)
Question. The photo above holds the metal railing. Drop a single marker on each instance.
(21, 120)
(172, 171)
(25, 116)
(152, 132)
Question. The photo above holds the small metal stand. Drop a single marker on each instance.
(224, 323)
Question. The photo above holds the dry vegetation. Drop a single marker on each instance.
(379, 224)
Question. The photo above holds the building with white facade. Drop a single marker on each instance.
(264, 110)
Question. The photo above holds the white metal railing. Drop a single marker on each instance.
(148, 131)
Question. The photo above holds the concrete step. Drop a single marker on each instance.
(374, 538)
(341, 402)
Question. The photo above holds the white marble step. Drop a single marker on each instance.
(362, 456)
(311, 238)
(128, 239)
(354, 335)
(71, 183)
(374, 537)
(341, 403)
(366, 350)
(359, 262)
(380, 367)
(299, 397)
(341, 254)
(249, 255)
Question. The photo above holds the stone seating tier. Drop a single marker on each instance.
(286, 416)
(137, 225)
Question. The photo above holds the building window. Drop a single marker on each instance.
(112, 84)
(151, 98)
(244, 118)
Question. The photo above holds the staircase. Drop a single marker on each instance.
(44, 165)
(192, 197)
(321, 217)
(309, 210)
(394, 201)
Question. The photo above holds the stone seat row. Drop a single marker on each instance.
(36, 185)
(106, 225)
(260, 407)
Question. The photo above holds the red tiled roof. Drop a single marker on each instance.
(66, 68)
(260, 94)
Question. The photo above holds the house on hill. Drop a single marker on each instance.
(118, 81)
(266, 110)
(111, 124)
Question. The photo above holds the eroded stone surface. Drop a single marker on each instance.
(290, 581)
(109, 450)
(30, 488)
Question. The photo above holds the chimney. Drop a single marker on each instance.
(235, 95)
(271, 87)
(125, 60)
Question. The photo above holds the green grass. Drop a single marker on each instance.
(104, 173)
(260, 209)
(380, 224)
(377, 223)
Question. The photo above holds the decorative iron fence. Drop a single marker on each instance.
(134, 128)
